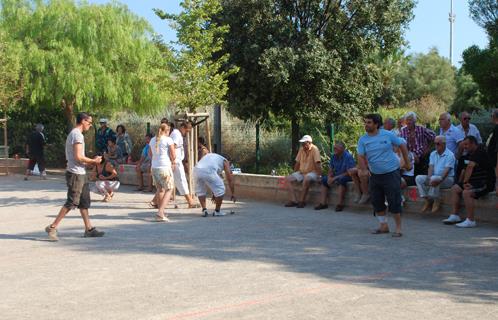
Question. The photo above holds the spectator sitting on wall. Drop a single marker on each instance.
(475, 181)
(340, 162)
(113, 153)
(103, 134)
(124, 143)
(440, 175)
(306, 170)
(143, 166)
(468, 128)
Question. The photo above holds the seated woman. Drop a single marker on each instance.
(113, 153)
(107, 179)
(124, 143)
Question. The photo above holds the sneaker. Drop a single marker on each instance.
(357, 198)
(52, 233)
(94, 233)
(205, 213)
(364, 199)
(452, 219)
(301, 204)
(467, 224)
(219, 213)
(43, 175)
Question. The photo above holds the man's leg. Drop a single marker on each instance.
(202, 200)
(86, 219)
(324, 192)
(456, 192)
(308, 179)
(140, 178)
(468, 200)
(342, 195)
(353, 173)
(397, 220)
(364, 177)
(290, 188)
(62, 213)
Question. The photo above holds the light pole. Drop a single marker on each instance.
(452, 21)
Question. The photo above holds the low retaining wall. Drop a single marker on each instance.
(270, 188)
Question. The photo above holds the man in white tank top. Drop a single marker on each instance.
(207, 175)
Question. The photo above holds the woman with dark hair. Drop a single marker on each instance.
(107, 179)
(124, 143)
(202, 150)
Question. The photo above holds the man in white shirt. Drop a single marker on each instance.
(179, 171)
(207, 175)
(453, 135)
(468, 128)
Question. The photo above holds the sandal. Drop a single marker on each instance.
(193, 206)
(379, 231)
(152, 205)
(397, 235)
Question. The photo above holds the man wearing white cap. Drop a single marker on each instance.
(307, 169)
(103, 134)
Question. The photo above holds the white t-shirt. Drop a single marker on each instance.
(177, 138)
(73, 166)
(160, 155)
(211, 162)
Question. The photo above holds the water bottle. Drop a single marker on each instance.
(273, 172)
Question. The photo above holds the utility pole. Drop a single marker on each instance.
(452, 22)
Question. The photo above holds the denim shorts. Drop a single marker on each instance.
(342, 181)
(386, 186)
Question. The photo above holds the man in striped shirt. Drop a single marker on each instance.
(418, 140)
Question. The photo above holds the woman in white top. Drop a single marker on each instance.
(162, 153)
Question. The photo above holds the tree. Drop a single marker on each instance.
(309, 59)
(481, 63)
(429, 75)
(10, 72)
(468, 97)
(485, 14)
(97, 58)
(198, 77)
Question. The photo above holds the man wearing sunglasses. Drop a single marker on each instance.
(468, 128)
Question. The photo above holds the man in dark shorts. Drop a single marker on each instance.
(34, 149)
(476, 180)
(78, 192)
(376, 148)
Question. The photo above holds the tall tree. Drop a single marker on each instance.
(309, 59)
(10, 72)
(482, 63)
(429, 74)
(468, 97)
(198, 79)
(86, 57)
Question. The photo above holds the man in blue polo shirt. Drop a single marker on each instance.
(340, 162)
(376, 147)
(440, 175)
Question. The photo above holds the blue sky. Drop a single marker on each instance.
(429, 28)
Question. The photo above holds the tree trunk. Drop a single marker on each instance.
(68, 108)
(294, 138)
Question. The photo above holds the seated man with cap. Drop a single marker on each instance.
(103, 135)
(307, 169)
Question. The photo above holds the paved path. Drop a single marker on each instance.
(264, 262)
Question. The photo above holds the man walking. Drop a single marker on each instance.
(34, 150)
(376, 147)
(78, 192)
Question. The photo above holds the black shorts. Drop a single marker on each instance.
(386, 186)
(478, 190)
(410, 180)
(78, 192)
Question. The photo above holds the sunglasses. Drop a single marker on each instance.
(466, 118)
(438, 143)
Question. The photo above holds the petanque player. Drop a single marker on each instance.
(78, 191)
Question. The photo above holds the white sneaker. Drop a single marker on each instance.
(364, 199)
(452, 219)
(205, 213)
(219, 213)
(467, 224)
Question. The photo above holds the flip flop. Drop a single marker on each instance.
(378, 231)
(397, 235)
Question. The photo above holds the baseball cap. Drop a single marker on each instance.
(306, 138)
(103, 120)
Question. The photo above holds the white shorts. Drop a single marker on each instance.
(180, 179)
(208, 179)
(300, 177)
(102, 185)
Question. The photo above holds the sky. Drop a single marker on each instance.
(430, 27)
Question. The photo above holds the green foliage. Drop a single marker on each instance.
(428, 74)
(10, 71)
(97, 58)
(309, 59)
(468, 97)
(485, 14)
(199, 80)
